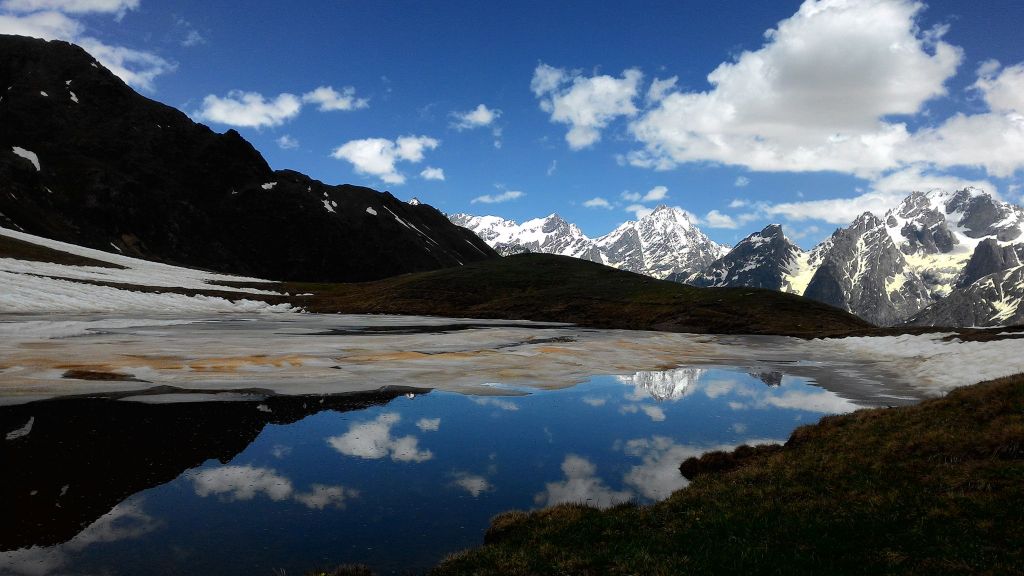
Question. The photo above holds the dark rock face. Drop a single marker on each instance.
(120, 171)
(989, 257)
(863, 272)
(983, 216)
(760, 260)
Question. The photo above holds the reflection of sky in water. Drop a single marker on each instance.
(399, 486)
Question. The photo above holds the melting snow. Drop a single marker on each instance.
(27, 155)
(373, 212)
(269, 185)
(44, 94)
(74, 98)
(329, 206)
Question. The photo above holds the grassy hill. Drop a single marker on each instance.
(936, 488)
(546, 287)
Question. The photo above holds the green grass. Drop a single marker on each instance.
(545, 287)
(936, 488)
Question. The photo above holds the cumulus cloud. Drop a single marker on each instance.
(328, 99)
(473, 484)
(813, 97)
(581, 485)
(373, 440)
(741, 182)
(249, 109)
(715, 219)
(476, 118)
(594, 401)
(597, 202)
(321, 496)
(431, 173)
(498, 198)
(655, 413)
(378, 156)
(639, 210)
(286, 142)
(586, 104)
(656, 194)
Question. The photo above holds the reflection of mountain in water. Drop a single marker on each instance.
(666, 384)
(674, 384)
(80, 458)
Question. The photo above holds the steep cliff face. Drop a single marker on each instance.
(86, 160)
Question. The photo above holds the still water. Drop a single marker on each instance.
(395, 479)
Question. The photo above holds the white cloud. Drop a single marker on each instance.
(656, 194)
(431, 173)
(586, 104)
(741, 182)
(738, 203)
(655, 413)
(286, 142)
(715, 219)
(552, 167)
(886, 193)
(476, 118)
(498, 198)
(45, 25)
(378, 156)
(135, 67)
(597, 202)
(373, 440)
(815, 96)
(639, 210)
(475, 485)
(429, 424)
(71, 6)
(581, 485)
(594, 401)
(330, 99)
(192, 38)
(660, 88)
(249, 109)
(1003, 92)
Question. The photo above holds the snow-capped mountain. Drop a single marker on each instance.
(765, 259)
(84, 159)
(938, 231)
(863, 272)
(992, 300)
(932, 246)
(663, 243)
(664, 385)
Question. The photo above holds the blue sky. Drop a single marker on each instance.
(816, 110)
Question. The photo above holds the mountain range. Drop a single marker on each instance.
(949, 258)
(659, 244)
(84, 159)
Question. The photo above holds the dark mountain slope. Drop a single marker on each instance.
(554, 288)
(119, 171)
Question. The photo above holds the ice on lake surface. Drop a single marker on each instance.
(382, 440)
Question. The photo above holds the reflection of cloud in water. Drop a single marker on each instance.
(241, 483)
(658, 476)
(246, 482)
(581, 485)
(594, 401)
(373, 440)
(321, 496)
(125, 521)
(280, 451)
(475, 485)
(662, 385)
(655, 413)
(429, 424)
(496, 402)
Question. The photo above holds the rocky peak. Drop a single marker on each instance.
(763, 260)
